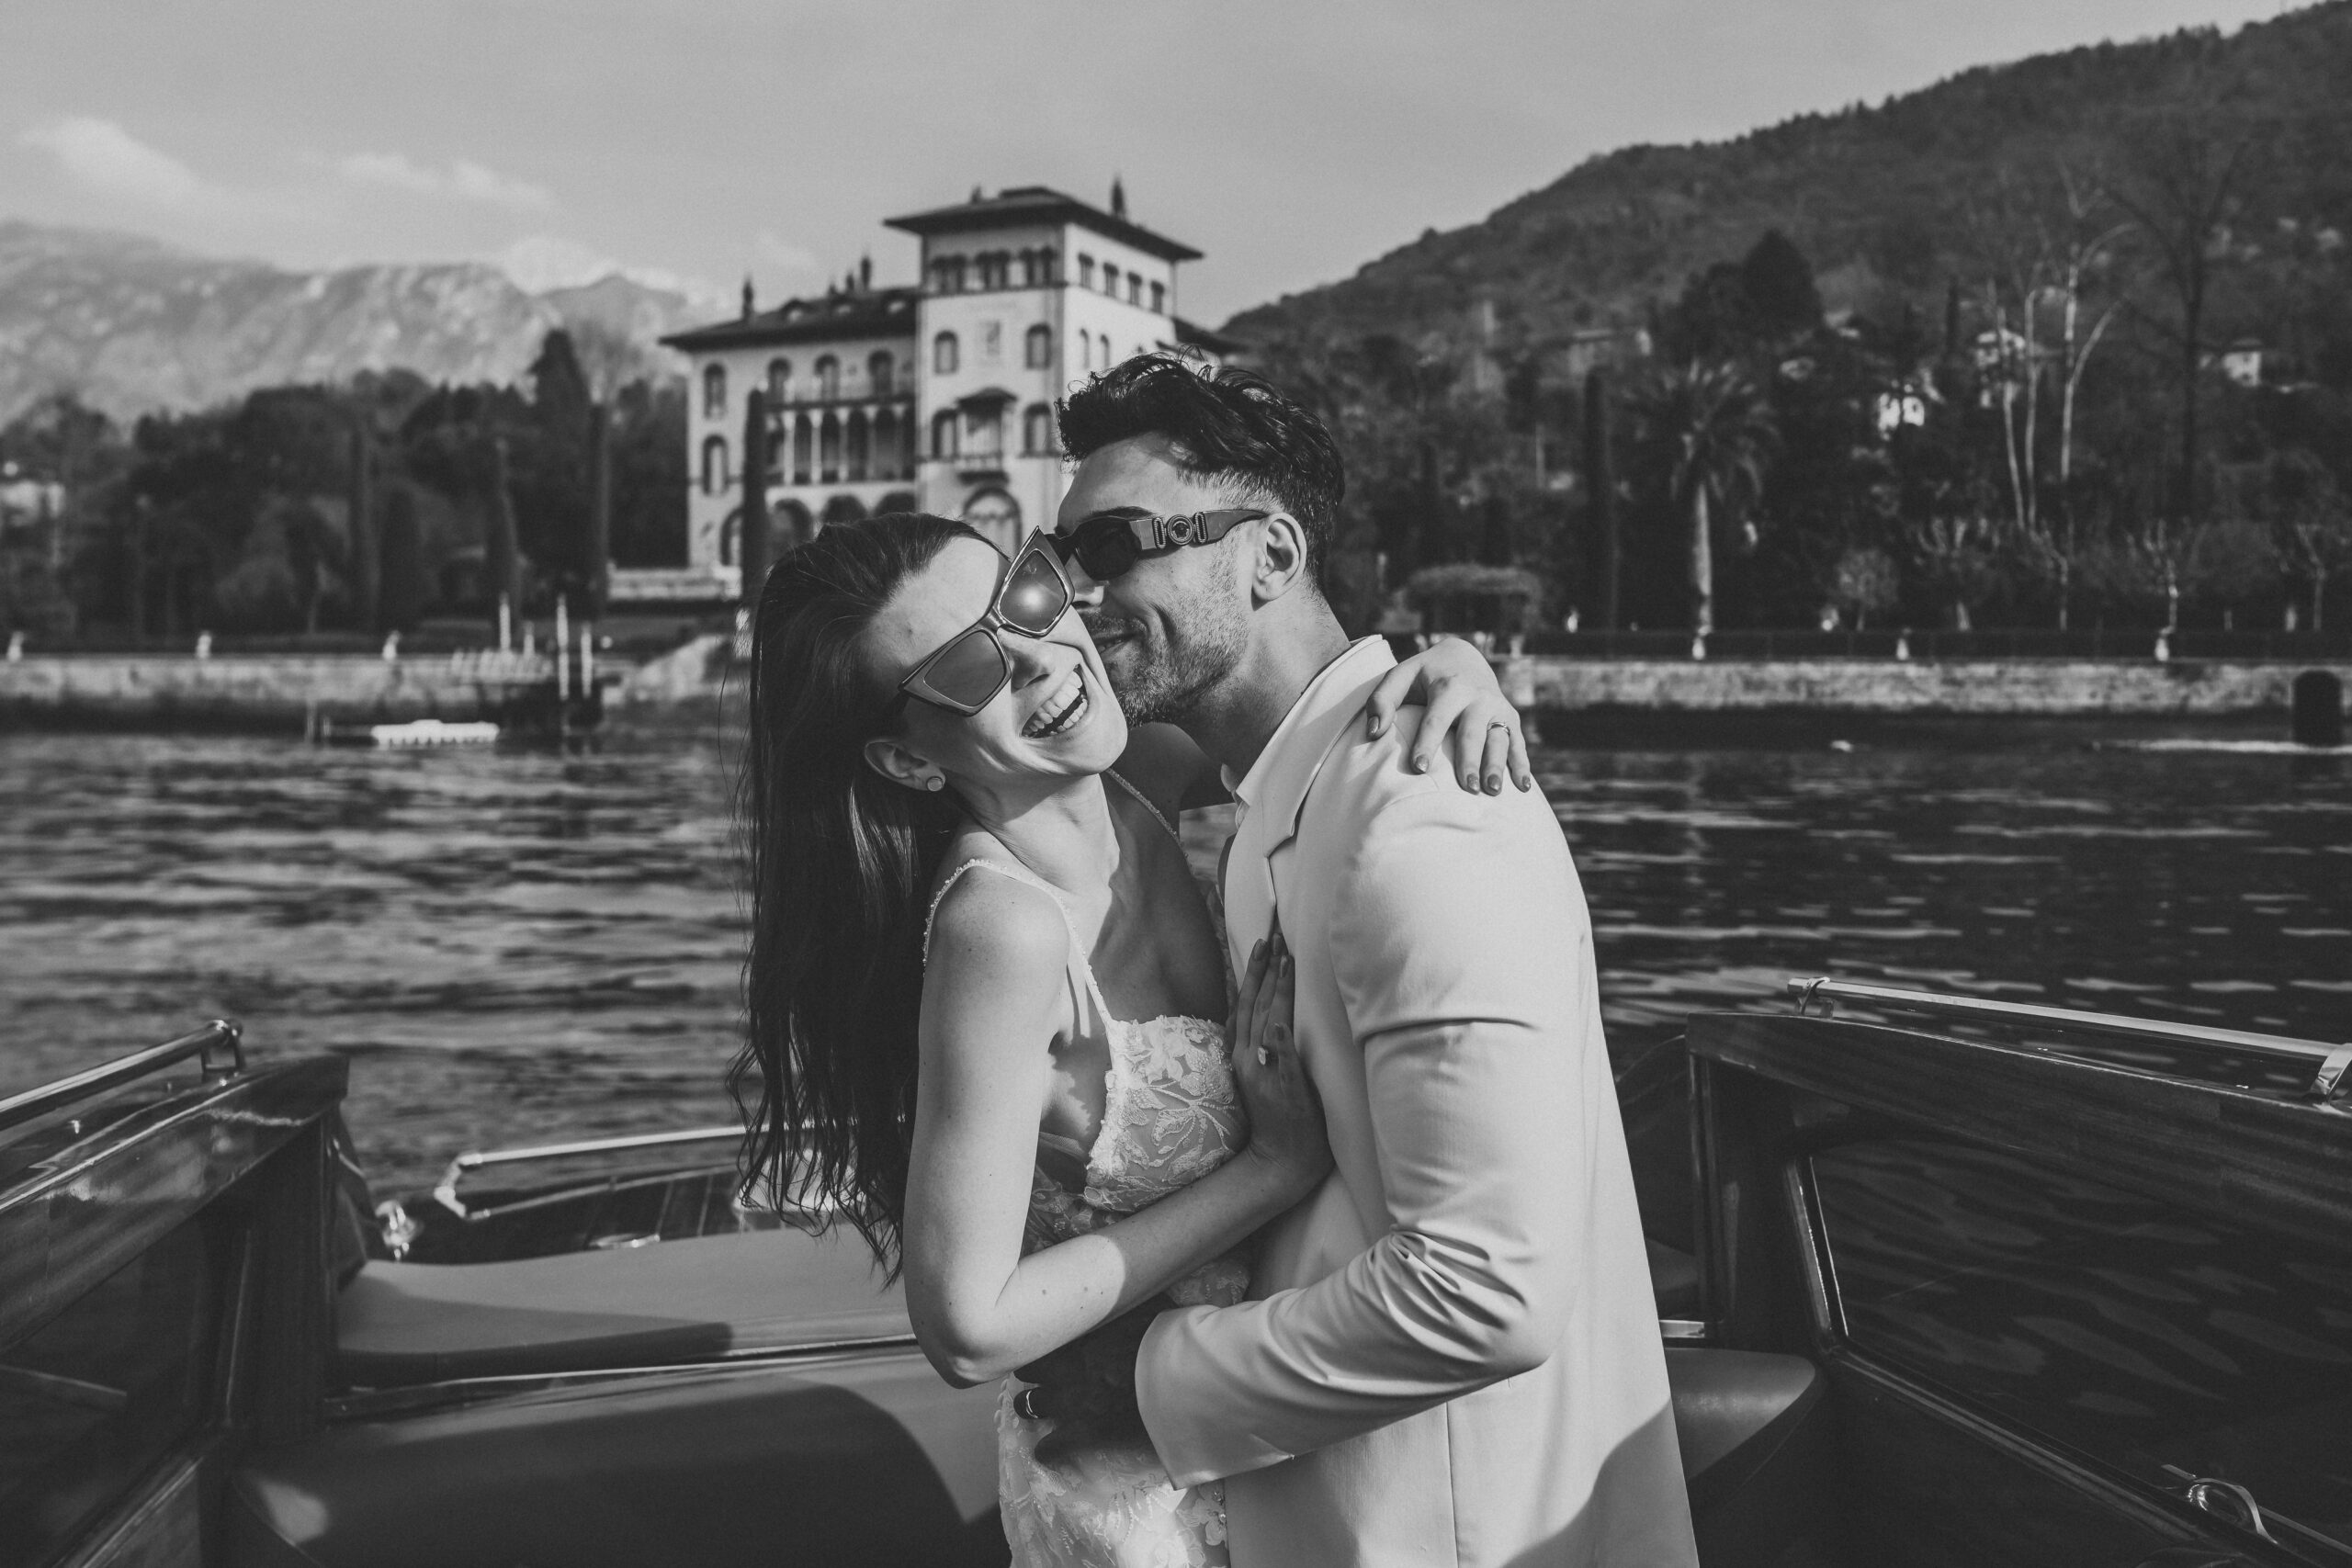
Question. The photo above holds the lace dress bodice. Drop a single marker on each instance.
(1172, 1114)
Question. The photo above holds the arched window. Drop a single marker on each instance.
(1135, 288)
(730, 537)
(1037, 346)
(714, 391)
(878, 368)
(1085, 270)
(713, 465)
(943, 354)
(828, 450)
(1046, 260)
(984, 432)
(856, 464)
(779, 381)
(947, 275)
(996, 269)
(804, 441)
(828, 379)
(943, 434)
(1110, 280)
(1159, 298)
(1037, 430)
(1085, 349)
(885, 462)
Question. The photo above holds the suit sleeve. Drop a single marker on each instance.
(1461, 950)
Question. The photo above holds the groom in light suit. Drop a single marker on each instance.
(1452, 1354)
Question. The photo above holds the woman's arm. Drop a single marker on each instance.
(1467, 714)
(990, 1000)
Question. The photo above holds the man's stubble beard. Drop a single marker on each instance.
(1160, 684)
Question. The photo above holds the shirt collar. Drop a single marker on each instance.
(1277, 782)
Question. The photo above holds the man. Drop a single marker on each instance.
(1450, 1354)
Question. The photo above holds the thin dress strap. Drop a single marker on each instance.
(1145, 801)
(1021, 873)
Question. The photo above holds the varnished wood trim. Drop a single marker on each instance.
(2227, 1152)
(68, 1228)
(161, 1527)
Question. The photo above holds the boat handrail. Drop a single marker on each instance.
(446, 1193)
(219, 1034)
(2331, 1064)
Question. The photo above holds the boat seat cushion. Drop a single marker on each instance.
(679, 1301)
(1755, 1450)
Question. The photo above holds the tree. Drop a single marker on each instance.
(1712, 433)
(366, 552)
(751, 537)
(502, 555)
(407, 585)
(1600, 483)
(1864, 582)
(597, 577)
(2179, 192)
(2314, 524)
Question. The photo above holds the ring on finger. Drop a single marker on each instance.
(1265, 1057)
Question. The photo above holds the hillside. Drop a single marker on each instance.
(134, 325)
(1880, 198)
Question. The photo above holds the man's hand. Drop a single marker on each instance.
(1088, 1387)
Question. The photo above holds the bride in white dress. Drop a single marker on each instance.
(991, 1021)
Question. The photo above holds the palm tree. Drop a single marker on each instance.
(1711, 430)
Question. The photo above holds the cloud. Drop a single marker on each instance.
(103, 157)
(463, 180)
(777, 251)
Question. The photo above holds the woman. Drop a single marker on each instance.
(948, 892)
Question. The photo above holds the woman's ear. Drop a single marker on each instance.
(1280, 562)
(890, 757)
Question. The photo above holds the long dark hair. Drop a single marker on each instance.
(842, 863)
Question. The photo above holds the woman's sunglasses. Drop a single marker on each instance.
(968, 669)
(1106, 546)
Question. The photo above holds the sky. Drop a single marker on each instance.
(697, 142)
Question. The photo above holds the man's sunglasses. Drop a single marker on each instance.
(967, 671)
(1106, 546)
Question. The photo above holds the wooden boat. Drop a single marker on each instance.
(2002, 1284)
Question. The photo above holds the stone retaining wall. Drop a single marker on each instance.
(272, 691)
(2179, 688)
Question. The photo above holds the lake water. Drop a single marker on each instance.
(517, 946)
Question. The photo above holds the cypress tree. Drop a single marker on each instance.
(502, 559)
(752, 539)
(365, 553)
(596, 571)
(405, 588)
(1600, 479)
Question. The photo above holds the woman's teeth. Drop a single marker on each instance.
(1061, 711)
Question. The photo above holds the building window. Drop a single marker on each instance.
(886, 449)
(984, 432)
(804, 443)
(947, 275)
(996, 270)
(857, 447)
(878, 368)
(1085, 349)
(713, 465)
(1046, 259)
(779, 381)
(1037, 430)
(1111, 281)
(1159, 298)
(1037, 347)
(1085, 270)
(1135, 288)
(943, 354)
(714, 391)
(828, 450)
(828, 379)
(943, 434)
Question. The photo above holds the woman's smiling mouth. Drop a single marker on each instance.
(1059, 713)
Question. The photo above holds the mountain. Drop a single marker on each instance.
(133, 325)
(1886, 202)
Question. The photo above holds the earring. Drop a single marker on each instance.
(935, 783)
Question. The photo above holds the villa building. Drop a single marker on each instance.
(937, 397)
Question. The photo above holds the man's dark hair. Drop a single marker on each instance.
(1232, 426)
